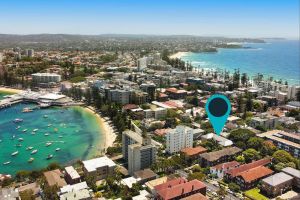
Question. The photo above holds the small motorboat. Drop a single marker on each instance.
(49, 156)
(57, 149)
(34, 151)
(20, 139)
(48, 144)
(7, 163)
(31, 160)
(15, 153)
(24, 130)
(47, 134)
(18, 120)
(35, 130)
(29, 148)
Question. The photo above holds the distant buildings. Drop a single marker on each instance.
(29, 53)
(179, 138)
(99, 168)
(45, 79)
(9, 194)
(79, 191)
(217, 157)
(287, 141)
(265, 121)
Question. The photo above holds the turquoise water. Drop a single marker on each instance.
(73, 130)
(279, 59)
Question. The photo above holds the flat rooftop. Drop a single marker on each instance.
(94, 164)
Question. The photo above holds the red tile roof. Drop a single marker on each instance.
(130, 106)
(161, 132)
(193, 151)
(235, 172)
(197, 196)
(227, 165)
(176, 190)
(255, 173)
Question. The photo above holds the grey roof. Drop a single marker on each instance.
(291, 171)
(277, 179)
(215, 155)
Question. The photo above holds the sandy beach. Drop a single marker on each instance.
(107, 130)
(10, 90)
(178, 55)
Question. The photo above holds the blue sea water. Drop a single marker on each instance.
(276, 58)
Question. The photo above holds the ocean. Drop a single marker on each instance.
(276, 58)
(75, 131)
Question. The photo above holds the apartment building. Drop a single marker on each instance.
(179, 138)
(99, 168)
(283, 140)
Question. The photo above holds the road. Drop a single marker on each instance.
(215, 189)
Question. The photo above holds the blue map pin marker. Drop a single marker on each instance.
(218, 108)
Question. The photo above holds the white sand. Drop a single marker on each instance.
(107, 130)
(178, 55)
(10, 90)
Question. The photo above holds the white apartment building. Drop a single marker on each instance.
(44, 78)
(100, 168)
(179, 138)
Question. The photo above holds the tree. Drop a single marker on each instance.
(255, 143)
(196, 175)
(268, 148)
(222, 192)
(281, 156)
(234, 187)
(250, 155)
(27, 195)
(244, 79)
(240, 159)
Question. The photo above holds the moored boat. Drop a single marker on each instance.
(18, 120)
(31, 160)
(34, 151)
(49, 156)
(15, 153)
(48, 144)
(7, 163)
(57, 149)
(29, 148)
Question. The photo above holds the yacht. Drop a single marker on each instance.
(57, 149)
(14, 153)
(48, 144)
(17, 120)
(7, 163)
(49, 156)
(35, 130)
(24, 130)
(20, 139)
(31, 160)
(45, 116)
(18, 127)
(29, 148)
(34, 151)
(46, 134)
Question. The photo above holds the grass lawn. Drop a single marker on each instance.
(255, 195)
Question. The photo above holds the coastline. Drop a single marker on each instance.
(106, 129)
(10, 90)
(178, 54)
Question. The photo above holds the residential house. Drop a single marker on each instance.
(217, 157)
(192, 153)
(220, 169)
(276, 184)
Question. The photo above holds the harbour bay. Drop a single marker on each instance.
(69, 134)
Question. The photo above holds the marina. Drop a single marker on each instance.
(32, 140)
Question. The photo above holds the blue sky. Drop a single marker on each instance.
(235, 18)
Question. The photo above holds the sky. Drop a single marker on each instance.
(229, 18)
